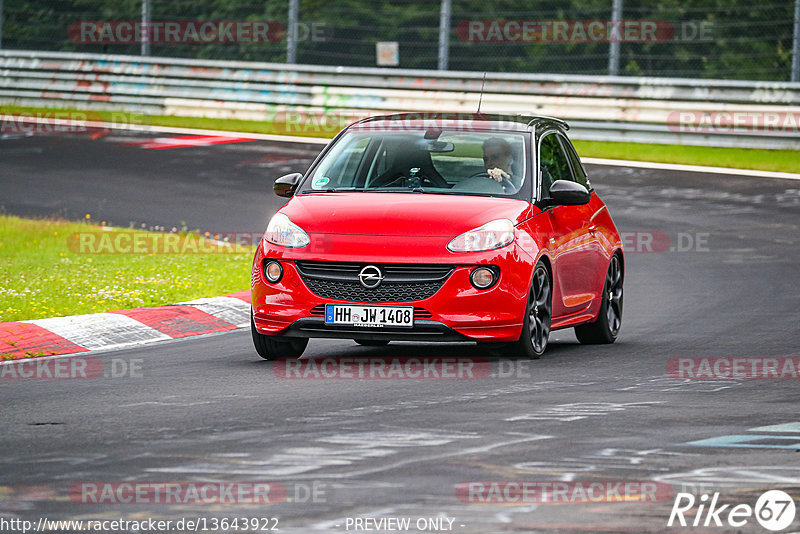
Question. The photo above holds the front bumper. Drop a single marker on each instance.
(423, 330)
(455, 312)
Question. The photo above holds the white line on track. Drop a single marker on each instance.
(691, 168)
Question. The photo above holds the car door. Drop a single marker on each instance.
(599, 237)
(573, 246)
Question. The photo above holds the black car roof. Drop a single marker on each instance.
(488, 121)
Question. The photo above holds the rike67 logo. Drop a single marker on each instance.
(774, 510)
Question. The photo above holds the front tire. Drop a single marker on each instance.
(605, 328)
(535, 334)
(274, 347)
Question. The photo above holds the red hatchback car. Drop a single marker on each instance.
(479, 228)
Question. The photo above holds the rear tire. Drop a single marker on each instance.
(372, 342)
(533, 340)
(605, 328)
(274, 347)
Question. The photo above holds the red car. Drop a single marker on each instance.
(479, 228)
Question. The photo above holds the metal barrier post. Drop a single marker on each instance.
(613, 51)
(796, 44)
(291, 36)
(444, 35)
(145, 27)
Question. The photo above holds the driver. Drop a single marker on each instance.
(497, 158)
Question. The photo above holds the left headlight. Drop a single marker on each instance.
(492, 235)
(281, 231)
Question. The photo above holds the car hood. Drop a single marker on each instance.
(400, 214)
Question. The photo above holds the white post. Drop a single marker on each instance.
(796, 44)
(291, 36)
(444, 35)
(613, 51)
(145, 27)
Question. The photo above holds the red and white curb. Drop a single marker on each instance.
(161, 143)
(126, 328)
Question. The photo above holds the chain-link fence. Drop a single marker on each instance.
(727, 39)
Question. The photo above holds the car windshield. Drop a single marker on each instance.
(442, 162)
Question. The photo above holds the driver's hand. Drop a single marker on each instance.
(497, 174)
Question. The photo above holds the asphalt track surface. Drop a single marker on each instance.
(209, 408)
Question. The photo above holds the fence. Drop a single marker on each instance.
(730, 39)
(660, 110)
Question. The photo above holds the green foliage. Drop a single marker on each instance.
(744, 40)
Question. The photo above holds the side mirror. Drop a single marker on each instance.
(285, 185)
(566, 193)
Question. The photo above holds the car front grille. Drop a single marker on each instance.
(401, 282)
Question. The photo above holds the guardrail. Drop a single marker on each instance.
(608, 108)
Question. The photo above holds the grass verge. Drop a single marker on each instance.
(48, 271)
(231, 125)
(739, 158)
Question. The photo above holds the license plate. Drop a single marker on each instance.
(370, 316)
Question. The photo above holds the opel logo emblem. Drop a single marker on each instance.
(370, 277)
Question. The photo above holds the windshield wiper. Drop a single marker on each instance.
(338, 189)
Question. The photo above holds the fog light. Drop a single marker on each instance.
(483, 277)
(273, 271)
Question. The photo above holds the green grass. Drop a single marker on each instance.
(266, 126)
(45, 273)
(741, 158)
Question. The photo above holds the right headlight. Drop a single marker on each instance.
(492, 235)
(281, 231)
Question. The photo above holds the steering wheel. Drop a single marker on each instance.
(508, 187)
(434, 181)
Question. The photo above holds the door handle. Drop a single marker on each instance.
(592, 229)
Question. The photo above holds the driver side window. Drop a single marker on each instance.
(552, 162)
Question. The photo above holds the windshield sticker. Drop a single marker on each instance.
(319, 183)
